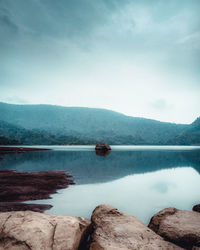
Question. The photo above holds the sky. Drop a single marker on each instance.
(137, 57)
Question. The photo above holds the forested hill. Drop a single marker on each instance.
(191, 136)
(48, 124)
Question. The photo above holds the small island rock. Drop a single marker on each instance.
(196, 208)
(102, 147)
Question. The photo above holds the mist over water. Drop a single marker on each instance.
(137, 180)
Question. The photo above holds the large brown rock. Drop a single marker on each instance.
(30, 230)
(115, 230)
(178, 226)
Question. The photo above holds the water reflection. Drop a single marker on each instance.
(102, 153)
(86, 167)
(141, 195)
(139, 181)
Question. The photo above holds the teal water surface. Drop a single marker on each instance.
(140, 180)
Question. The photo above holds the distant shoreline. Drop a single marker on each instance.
(13, 149)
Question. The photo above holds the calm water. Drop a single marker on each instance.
(140, 180)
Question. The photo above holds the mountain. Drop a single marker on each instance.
(190, 136)
(7, 141)
(15, 135)
(48, 124)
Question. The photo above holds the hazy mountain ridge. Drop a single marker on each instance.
(48, 124)
(191, 136)
(15, 135)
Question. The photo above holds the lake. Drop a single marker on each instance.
(139, 180)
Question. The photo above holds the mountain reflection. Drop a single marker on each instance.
(86, 167)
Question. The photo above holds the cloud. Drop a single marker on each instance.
(6, 23)
(64, 19)
(136, 57)
(159, 104)
(14, 100)
(191, 41)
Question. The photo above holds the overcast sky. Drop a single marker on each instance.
(138, 57)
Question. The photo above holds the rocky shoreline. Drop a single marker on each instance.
(18, 187)
(108, 229)
(12, 150)
(9, 150)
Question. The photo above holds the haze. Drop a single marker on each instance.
(141, 58)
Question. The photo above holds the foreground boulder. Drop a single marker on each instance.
(178, 226)
(30, 230)
(117, 230)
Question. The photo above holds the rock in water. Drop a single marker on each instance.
(196, 208)
(30, 230)
(102, 147)
(178, 226)
(115, 230)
